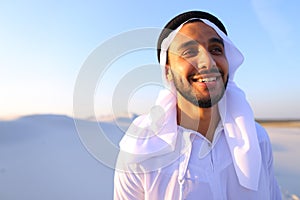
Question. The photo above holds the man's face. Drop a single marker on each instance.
(197, 63)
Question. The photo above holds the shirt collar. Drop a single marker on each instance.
(198, 139)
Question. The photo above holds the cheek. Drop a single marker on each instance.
(182, 67)
(223, 65)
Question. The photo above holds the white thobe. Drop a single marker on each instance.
(207, 172)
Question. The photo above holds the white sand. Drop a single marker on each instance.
(286, 149)
(42, 157)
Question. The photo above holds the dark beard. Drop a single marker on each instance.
(201, 102)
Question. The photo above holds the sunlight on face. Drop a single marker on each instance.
(198, 65)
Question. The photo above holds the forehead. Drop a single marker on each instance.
(198, 31)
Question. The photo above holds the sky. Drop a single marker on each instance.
(45, 45)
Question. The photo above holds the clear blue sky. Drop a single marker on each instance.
(43, 45)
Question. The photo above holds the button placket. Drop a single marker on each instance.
(184, 160)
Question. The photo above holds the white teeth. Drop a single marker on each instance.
(205, 80)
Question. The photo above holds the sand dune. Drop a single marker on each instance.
(42, 157)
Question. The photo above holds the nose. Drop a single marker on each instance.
(205, 60)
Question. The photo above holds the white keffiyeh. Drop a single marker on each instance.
(155, 134)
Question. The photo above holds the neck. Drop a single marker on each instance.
(202, 120)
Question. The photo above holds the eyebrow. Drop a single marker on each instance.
(194, 42)
(216, 40)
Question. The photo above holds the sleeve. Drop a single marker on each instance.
(275, 193)
(128, 184)
(274, 187)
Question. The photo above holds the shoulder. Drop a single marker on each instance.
(144, 141)
(265, 144)
(262, 134)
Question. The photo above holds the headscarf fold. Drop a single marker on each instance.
(155, 134)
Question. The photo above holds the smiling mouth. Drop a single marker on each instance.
(206, 80)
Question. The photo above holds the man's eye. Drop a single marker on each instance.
(190, 53)
(217, 51)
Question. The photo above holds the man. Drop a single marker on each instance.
(200, 141)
